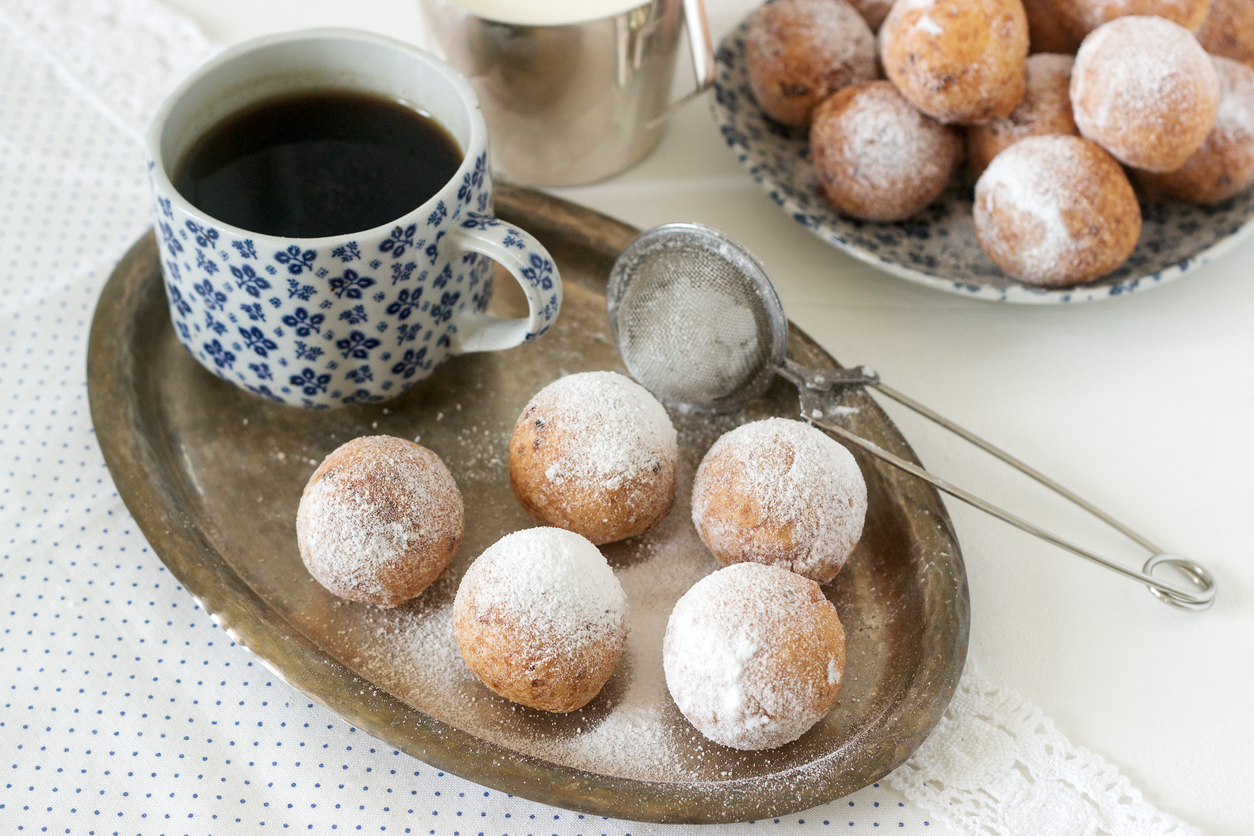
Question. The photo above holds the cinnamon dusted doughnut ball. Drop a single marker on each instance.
(594, 453)
(877, 157)
(1046, 109)
(958, 61)
(1081, 17)
(1056, 211)
(1145, 90)
(799, 52)
(1224, 165)
(753, 656)
(379, 520)
(540, 619)
(783, 493)
(1228, 30)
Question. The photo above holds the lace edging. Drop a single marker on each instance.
(996, 766)
(123, 55)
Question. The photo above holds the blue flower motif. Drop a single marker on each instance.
(408, 333)
(264, 391)
(253, 311)
(205, 263)
(361, 375)
(400, 240)
(357, 345)
(222, 358)
(443, 311)
(262, 370)
(214, 299)
(303, 322)
(206, 236)
(296, 261)
(355, 316)
(410, 363)
(296, 290)
(433, 249)
(476, 220)
(446, 275)
(257, 341)
(171, 240)
(403, 272)
(164, 203)
(511, 239)
(438, 214)
(245, 248)
(173, 268)
(348, 252)
(350, 284)
(307, 352)
(405, 303)
(249, 281)
(539, 271)
(177, 301)
(310, 382)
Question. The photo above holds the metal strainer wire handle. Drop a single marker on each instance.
(699, 324)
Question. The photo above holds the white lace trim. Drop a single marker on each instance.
(996, 766)
(122, 55)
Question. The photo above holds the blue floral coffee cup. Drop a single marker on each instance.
(354, 318)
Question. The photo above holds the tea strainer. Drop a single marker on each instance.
(699, 324)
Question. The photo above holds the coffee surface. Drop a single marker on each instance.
(318, 163)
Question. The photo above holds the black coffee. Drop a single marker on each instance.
(317, 163)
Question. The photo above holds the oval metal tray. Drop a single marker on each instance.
(213, 477)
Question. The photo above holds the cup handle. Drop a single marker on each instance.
(702, 49)
(533, 268)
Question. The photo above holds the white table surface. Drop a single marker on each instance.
(1144, 404)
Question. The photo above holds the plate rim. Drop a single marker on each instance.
(1015, 291)
(242, 613)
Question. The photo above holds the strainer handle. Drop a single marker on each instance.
(816, 387)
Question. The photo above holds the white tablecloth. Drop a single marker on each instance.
(126, 710)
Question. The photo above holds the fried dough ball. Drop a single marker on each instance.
(1224, 165)
(878, 158)
(379, 520)
(540, 619)
(594, 453)
(1046, 31)
(1056, 211)
(1145, 90)
(753, 656)
(799, 52)
(1229, 30)
(1080, 17)
(959, 61)
(783, 493)
(1046, 109)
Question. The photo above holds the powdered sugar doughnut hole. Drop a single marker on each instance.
(754, 656)
(783, 493)
(594, 453)
(541, 619)
(379, 520)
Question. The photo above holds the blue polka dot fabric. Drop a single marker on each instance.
(123, 708)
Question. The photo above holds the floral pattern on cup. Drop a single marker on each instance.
(356, 318)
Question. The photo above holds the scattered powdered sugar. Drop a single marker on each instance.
(780, 475)
(614, 430)
(549, 581)
(733, 655)
(1234, 123)
(930, 26)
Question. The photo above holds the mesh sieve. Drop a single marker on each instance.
(695, 317)
(698, 323)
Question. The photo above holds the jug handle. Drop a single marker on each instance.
(702, 50)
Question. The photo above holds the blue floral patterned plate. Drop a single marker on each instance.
(938, 247)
